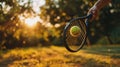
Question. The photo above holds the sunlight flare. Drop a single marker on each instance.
(31, 21)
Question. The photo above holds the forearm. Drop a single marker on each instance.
(101, 3)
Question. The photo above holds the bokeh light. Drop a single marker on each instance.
(31, 21)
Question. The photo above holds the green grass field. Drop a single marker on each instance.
(53, 56)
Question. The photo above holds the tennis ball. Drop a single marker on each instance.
(75, 31)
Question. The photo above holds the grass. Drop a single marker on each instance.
(53, 56)
(106, 50)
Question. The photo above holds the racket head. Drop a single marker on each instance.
(75, 43)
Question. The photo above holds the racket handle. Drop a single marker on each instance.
(86, 22)
(88, 17)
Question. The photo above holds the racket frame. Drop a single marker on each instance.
(86, 28)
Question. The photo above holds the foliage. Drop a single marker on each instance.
(61, 11)
(54, 14)
(9, 22)
(109, 21)
(115, 35)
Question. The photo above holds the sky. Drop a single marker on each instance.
(32, 20)
(35, 4)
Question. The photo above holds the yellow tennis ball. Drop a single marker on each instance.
(75, 31)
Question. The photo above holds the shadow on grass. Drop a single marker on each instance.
(112, 51)
(84, 62)
(6, 62)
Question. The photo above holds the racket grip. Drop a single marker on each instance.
(89, 16)
(86, 22)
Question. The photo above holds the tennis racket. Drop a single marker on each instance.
(75, 43)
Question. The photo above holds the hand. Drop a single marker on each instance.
(94, 11)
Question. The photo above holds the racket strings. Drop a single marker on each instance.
(83, 30)
(70, 39)
(74, 42)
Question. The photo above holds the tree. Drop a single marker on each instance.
(61, 11)
(10, 22)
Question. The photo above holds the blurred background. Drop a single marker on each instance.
(25, 23)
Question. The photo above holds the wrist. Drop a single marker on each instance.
(101, 3)
(98, 5)
(96, 8)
